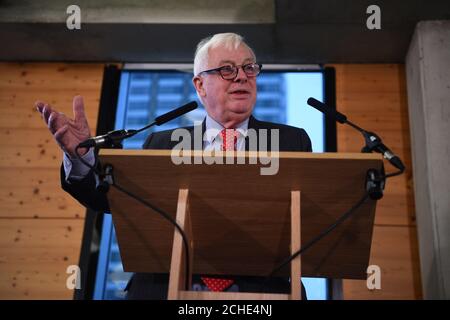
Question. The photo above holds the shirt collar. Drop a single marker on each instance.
(213, 128)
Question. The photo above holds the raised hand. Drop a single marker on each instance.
(67, 132)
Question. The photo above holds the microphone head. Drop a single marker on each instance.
(322, 107)
(176, 113)
(315, 103)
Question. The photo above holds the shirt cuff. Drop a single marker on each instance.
(75, 169)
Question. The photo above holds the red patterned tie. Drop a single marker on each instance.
(229, 139)
(216, 284)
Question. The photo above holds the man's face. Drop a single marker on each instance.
(228, 102)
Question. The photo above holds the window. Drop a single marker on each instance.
(143, 95)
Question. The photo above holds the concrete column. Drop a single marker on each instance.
(428, 84)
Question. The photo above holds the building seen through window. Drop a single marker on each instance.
(143, 95)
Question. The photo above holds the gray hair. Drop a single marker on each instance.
(228, 40)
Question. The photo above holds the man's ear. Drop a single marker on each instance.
(198, 84)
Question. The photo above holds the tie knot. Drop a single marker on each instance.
(229, 139)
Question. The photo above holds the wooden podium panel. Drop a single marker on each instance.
(240, 219)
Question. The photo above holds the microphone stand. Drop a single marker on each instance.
(374, 184)
(375, 180)
(104, 174)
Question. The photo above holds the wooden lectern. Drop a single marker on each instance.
(240, 222)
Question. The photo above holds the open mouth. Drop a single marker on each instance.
(240, 92)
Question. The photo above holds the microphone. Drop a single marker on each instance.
(322, 107)
(373, 141)
(114, 138)
(176, 113)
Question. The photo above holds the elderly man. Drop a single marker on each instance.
(225, 71)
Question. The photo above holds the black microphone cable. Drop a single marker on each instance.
(147, 204)
(313, 241)
(115, 138)
(166, 216)
(373, 142)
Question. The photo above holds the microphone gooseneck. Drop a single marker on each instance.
(115, 138)
(373, 141)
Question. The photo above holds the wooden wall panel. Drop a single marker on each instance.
(35, 255)
(35, 193)
(395, 251)
(27, 148)
(374, 97)
(40, 225)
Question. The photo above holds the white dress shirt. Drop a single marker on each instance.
(213, 138)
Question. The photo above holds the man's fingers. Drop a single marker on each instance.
(46, 111)
(60, 132)
(39, 105)
(53, 122)
(78, 109)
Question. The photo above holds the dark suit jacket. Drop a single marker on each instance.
(154, 286)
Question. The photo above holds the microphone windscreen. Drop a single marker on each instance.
(322, 107)
(176, 113)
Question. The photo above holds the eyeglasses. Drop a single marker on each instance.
(231, 72)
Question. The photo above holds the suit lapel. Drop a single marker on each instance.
(256, 125)
(252, 124)
(192, 130)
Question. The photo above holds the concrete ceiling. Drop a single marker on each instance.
(140, 11)
(321, 31)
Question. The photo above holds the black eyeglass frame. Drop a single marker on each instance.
(236, 68)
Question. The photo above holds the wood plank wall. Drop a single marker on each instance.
(374, 97)
(40, 225)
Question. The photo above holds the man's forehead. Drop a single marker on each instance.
(231, 61)
(223, 55)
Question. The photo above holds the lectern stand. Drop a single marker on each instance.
(240, 222)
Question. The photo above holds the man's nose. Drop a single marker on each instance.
(241, 75)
